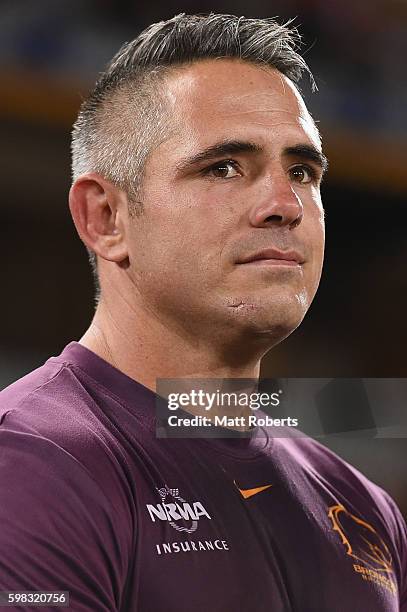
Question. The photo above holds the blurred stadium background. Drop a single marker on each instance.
(50, 55)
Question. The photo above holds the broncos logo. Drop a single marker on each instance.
(362, 542)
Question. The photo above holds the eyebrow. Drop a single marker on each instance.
(306, 152)
(226, 147)
(309, 153)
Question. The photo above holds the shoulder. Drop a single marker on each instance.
(329, 468)
(363, 499)
(51, 413)
(13, 396)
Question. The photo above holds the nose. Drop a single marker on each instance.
(280, 206)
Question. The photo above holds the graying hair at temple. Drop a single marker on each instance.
(124, 117)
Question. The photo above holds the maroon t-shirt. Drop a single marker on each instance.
(93, 503)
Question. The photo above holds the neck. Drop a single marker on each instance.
(145, 348)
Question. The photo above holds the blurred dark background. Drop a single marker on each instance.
(50, 55)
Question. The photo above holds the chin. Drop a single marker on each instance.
(274, 320)
(278, 328)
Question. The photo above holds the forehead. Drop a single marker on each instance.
(232, 98)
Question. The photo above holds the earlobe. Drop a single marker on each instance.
(99, 210)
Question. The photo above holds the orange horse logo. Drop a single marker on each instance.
(362, 542)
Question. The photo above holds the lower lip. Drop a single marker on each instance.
(274, 262)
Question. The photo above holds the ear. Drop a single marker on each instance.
(99, 211)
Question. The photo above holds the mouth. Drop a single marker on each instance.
(274, 257)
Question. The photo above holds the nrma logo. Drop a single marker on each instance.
(174, 508)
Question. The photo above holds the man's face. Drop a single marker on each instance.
(232, 235)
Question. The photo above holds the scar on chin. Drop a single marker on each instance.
(240, 305)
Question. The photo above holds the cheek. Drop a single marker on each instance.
(317, 265)
(316, 222)
(195, 223)
(321, 237)
(314, 232)
(172, 249)
(319, 207)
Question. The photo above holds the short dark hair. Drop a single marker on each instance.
(123, 118)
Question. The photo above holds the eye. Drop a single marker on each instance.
(224, 169)
(302, 174)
